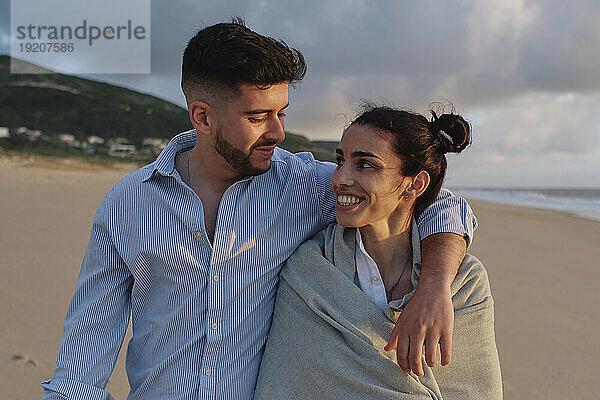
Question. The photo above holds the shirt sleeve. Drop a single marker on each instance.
(323, 171)
(448, 213)
(96, 320)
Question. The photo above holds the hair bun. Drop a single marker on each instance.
(452, 130)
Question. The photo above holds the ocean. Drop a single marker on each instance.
(581, 202)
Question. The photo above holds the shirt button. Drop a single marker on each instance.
(214, 326)
(375, 279)
(216, 278)
(207, 371)
(198, 234)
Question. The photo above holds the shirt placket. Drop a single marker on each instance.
(216, 297)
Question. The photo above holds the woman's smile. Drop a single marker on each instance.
(348, 201)
(367, 182)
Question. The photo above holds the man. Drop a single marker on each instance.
(193, 243)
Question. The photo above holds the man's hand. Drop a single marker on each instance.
(428, 319)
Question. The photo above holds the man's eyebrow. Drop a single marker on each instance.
(263, 110)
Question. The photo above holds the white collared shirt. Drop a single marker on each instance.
(369, 277)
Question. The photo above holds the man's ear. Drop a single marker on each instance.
(419, 183)
(203, 117)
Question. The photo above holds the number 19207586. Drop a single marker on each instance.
(47, 47)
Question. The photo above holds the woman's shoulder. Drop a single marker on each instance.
(473, 268)
(321, 245)
(471, 285)
(321, 239)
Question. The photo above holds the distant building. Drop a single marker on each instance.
(67, 138)
(155, 144)
(95, 140)
(122, 150)
(119, 140)
(29, 133)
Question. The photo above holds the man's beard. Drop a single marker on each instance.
(236, 158)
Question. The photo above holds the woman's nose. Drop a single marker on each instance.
(342, 176)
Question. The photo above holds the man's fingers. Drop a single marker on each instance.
(446, 348)
(402, 352)
(393, 342)
(431, 350)
(415, 354)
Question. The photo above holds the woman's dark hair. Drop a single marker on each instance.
(420, 144)
(228, 54)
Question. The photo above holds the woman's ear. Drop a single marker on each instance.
(202, 117)
(419, 184)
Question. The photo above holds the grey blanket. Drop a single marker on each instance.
(327, 337)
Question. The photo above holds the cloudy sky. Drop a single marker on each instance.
(525, 73)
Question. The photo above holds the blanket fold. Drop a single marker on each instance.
(327, 337)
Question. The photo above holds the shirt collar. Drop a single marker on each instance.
(359, 243)
(165, 163)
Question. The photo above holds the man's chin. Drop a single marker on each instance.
(259, 165)
(262, 168)
(256, 168)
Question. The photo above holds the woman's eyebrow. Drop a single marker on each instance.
(364, 154)
(357, 154)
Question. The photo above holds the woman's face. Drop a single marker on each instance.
(367, 181)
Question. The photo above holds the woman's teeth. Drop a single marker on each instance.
(348, 200)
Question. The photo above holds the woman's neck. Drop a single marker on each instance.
(390, 246)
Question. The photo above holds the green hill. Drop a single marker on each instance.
(296, 143)
(57, 103)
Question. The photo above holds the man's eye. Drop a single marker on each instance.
(256, 120)
(364, 164)
(281, 115)
(339, 161)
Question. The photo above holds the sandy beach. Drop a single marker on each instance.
(543, 267)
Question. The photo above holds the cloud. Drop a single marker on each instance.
(535, 128)
(523, 71)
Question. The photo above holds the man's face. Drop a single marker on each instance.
(251, 127)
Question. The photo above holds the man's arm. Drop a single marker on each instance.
(446, 228)
(96, 320)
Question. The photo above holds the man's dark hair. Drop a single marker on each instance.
(221, 57)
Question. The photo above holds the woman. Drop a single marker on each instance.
(342, 291)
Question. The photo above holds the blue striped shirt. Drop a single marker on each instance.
(200, 311)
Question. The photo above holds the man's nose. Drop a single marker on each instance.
(276, 129)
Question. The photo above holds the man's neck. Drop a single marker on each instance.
(209, 171)
(208, 183)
